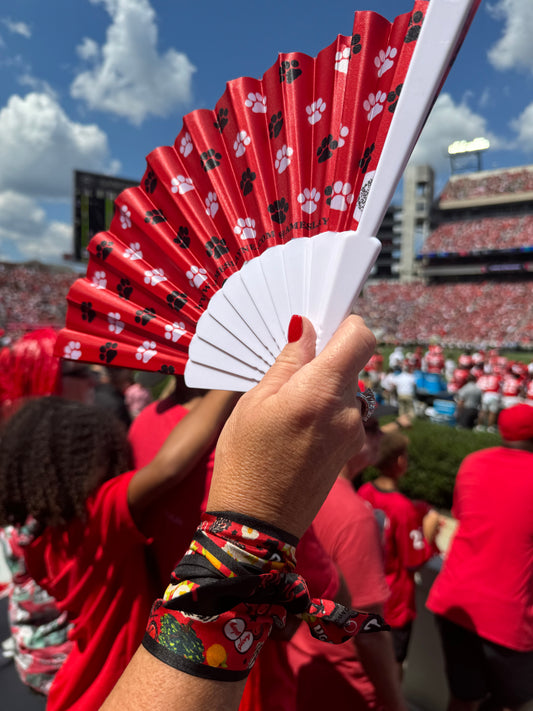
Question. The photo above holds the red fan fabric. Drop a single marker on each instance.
(287, 156)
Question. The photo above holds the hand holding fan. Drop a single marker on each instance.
(265, 207)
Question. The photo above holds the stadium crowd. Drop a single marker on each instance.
(31, 296)
(489, 233)
(459, 315)
(93, 529)
(486, 185)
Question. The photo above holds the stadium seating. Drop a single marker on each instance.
(459, 315)
(487, 185)
(489, 233)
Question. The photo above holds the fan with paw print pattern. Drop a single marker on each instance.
(265, 207)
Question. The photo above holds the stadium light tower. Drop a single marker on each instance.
(461, 151)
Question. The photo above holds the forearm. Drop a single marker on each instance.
(182, 450)
(149, 684)
(377, 657)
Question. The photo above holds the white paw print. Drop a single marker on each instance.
(154, 276)
(257, 102)
(133, 252)
(211, 203)
(99, 280)
(374, 104)
(115, 325)
(241, 141)
(146, 351)
(315, 111)
(309, 199)
(196, 276)
(340, 196)
(72, 350)
(283, 158)
(181, 184)
(245, 228)
(343, 132)
(363, 195)
(125, 217)
(342, 59)
(186, 145)
(384, 59)
(175, 331)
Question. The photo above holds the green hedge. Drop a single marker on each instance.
(435, 453)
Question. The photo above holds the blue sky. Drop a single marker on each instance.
(97, 84)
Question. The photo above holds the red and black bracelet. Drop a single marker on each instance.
(235, 582)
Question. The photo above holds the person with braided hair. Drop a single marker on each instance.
(65, 482)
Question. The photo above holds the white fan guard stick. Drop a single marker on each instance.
(441, 33)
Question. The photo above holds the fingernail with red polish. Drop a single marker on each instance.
(296, 328)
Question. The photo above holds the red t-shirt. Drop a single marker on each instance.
(331, 675)
(405, 548)
(271, 685)
(489, 383)
(172, 521)
(486, 583)
(96, 571)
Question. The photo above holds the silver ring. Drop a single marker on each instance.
(368, 404)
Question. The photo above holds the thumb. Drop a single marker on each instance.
(300, 350)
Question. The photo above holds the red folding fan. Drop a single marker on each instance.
(265, 207)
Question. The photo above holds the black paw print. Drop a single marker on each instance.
(275, 125)
(289, 71)
(216, 247)
(210, 159)
(222, 119)
(177, 300)
(278, 210)
(393, 96)
(326, 148)
(124, 289)
(87, 311)
(154, 216)
(182, 238)
(104, 249)
(356, 44)
(150, 182)
(367, 157)
(108, 352)
(247, 179)
(145, 316)
(415, 25)
(167, 369)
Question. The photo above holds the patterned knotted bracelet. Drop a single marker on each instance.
(234, 583)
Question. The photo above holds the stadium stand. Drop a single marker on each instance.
(489, 233)
(32, 296)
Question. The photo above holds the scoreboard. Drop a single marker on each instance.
(94, 205)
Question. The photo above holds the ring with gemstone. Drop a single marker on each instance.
(368, 403)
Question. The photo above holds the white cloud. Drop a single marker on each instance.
(523, 125)
(40, 147)
(17, 28)
(88, 49)
(129, 78)
(514, 49)
(26, 233)
(448, 122)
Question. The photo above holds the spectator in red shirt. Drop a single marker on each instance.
(483, 597)
(408, 538)
(63, 473)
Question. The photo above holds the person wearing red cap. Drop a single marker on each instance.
(483, 597)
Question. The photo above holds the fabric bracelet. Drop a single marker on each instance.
(234, 583)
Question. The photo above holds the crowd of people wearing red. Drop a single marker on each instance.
(488, 184)
(93, 529)
(459, 315)
(488, 233)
